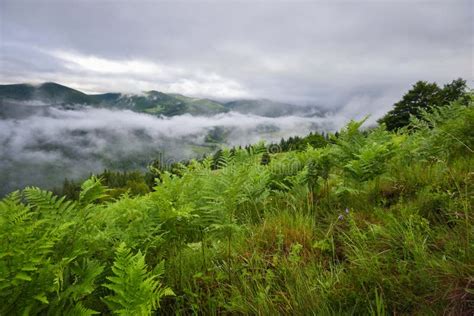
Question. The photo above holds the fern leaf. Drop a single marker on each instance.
(136, 291)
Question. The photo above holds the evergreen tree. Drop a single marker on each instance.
(265, 159)
(215, 159)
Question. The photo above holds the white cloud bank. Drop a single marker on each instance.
(46, 145)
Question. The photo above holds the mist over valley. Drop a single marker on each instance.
(50, 132)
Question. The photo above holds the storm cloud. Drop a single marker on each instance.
(337, 54)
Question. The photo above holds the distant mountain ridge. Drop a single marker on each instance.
(48, 92)
(151, 102)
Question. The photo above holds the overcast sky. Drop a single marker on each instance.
(352, 54)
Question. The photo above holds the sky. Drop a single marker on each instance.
(355, 56)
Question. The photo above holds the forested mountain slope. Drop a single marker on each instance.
(375, 222)
(152, 102)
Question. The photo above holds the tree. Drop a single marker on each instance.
(215, 159)
(315, 140)
(265, 159)
(454, 91)
(422, 96)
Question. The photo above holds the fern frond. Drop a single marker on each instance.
(80, 310)
(46, 202)
(136, 291)
(92, 190)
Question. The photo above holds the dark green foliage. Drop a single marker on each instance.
(48, 92)
(70, 189)
(456, 90)
(423, 96)
(132, 182)
(265, 159)
(301, 143)
(152, 102)
(16, 91)
(217, 135)
(216, 158)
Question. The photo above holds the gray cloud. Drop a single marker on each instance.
(342, 54)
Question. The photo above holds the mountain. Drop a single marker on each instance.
(49, 92)
(196, 105)
(151, 102)
(159, 103)
(269, 108)
(259, 107)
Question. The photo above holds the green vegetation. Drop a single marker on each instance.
(151, 102)
(200, 106)
(139, 183)
(424, 96)
(47, 92)
(370, 222)
(118, 183)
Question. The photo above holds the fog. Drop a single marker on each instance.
(43, 145)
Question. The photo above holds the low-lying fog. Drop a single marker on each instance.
(42, 145)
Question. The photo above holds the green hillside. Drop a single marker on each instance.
(48, 92)
(152, 102)
(376, 222)
(197, 106)
(269, 108)
(17, 91)
(260, 107)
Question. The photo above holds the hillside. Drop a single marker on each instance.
(197, 106)
(151, 102)
(48, 93)
(271, 108)
(374, 223)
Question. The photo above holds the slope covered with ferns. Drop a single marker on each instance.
(373, 223)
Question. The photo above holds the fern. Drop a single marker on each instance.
(80, 310)
(45, 202)
(75, 280)
(26, 247)
(136, 291)
(91, 191)
(225, 158)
